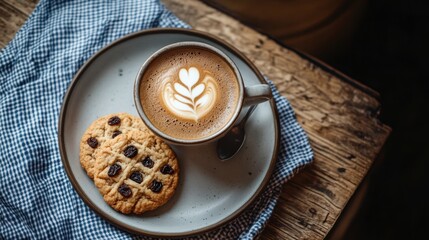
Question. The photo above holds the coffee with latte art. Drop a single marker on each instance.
(189, 92)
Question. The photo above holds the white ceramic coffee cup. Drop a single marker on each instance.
(248, 95)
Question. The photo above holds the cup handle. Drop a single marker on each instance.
(256, 94)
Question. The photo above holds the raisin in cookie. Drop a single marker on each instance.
(102, 129)
(137, 172)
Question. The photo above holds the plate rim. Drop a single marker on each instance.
(121, 224)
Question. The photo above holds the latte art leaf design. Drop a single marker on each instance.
(191, 97)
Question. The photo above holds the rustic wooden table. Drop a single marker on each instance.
(339, 114)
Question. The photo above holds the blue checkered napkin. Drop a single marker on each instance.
(37, 200)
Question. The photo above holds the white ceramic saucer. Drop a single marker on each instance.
(210, 192)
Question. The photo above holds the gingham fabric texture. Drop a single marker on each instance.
(37, 200)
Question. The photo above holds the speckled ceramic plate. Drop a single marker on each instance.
(210, 192)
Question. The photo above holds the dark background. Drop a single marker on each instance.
(390, 54)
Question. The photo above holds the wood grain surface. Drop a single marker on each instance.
(339, 115)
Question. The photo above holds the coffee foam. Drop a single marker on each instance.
(189, 93)
(193, 96)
